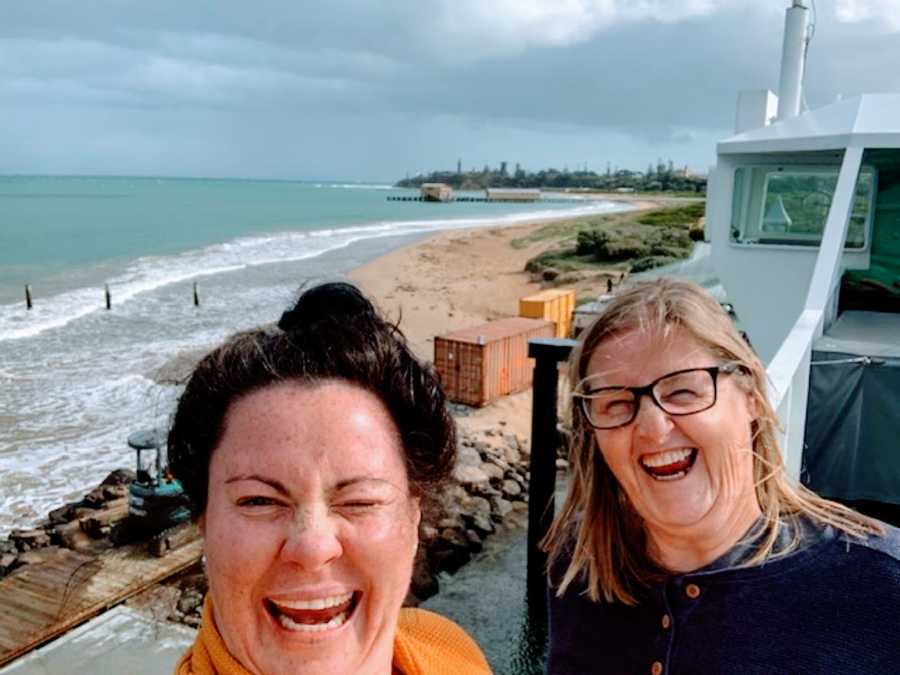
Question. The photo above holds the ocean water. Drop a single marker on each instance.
(76, 379)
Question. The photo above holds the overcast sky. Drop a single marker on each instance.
(369, 90)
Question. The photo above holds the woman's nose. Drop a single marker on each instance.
(652, 422)
(312, 539)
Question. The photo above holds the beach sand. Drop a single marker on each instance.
(458, 279)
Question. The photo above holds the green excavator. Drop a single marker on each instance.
(157, 505)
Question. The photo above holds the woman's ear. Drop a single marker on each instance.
(415, 515)
(201, 524)
(415, 511)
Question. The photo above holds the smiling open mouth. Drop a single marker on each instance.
(313, 616)
(669, 465)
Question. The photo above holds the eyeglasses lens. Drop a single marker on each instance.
(677, 394)
(686, 393)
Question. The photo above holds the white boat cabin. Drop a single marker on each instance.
(803, 215)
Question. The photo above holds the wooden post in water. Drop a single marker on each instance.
(28, 303)
(108, 296)
(196, 297)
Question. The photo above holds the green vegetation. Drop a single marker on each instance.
(624, 241)
(662, 179)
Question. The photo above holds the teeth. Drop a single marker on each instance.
(288, 624)
(674, 476)
(318, 603)
(666, 458)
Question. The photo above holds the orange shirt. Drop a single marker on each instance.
(425, 644)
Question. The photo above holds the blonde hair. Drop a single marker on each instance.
(597, 529)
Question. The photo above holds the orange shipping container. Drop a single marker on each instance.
(479, 365)
(554, 305)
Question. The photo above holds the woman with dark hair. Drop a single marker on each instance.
(682, 546)
(309, 452)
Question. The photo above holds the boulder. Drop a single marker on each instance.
(470, 475)
(485, 490)
(424, 584)
(119, 477)
(26, 540)
(190, 602)
(72, 536)
(6, 562)
(481, 523)
(450, 552)
(500, 507)
(512, 455)
(524, 447)
(493, 472)
(114, 492)
(454, 521)
(427, 534)
(518, 478)
(468, 456)
(61, 515)
(511, 489)
(192, 620)
(475, 542)
(95, 498)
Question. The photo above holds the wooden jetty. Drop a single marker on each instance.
(41, 601)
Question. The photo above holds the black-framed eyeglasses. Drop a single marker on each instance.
(683, 392)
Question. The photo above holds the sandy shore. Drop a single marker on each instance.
(459, 279)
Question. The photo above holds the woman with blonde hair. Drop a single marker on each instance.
(682, 545)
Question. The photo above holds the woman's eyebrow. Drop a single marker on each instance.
(274, 484)
(361, 479)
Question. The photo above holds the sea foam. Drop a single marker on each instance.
(153, 272)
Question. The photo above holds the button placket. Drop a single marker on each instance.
(692, 591)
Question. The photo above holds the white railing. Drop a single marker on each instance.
(789, 370)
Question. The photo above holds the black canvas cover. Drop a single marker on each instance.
(852, 445)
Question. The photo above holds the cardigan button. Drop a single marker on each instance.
(692, 591)
(666, 621)
(656, 668)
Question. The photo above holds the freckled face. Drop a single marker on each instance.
(310, 530)
(718, 485)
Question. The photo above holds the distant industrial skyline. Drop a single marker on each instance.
(360, 91)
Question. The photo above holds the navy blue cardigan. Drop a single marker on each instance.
(831, 607)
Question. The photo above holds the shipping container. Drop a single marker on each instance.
(479, 365)
(554, 305)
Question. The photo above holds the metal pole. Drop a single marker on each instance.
(28, 304)
(547, 354)
(108, 296)
(196, 297)
(793, 57)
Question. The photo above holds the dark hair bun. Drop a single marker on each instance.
(336, 301)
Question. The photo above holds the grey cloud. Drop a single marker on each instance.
(355, 89)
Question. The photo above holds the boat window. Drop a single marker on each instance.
(789, 205)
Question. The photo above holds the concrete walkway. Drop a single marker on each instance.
(121, 640)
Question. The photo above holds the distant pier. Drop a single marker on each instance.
(399, 198)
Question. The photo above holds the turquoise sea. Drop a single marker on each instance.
(75, 379)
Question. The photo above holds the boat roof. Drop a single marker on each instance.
(868, 121)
